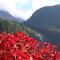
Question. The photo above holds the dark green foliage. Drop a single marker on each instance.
(11, 26)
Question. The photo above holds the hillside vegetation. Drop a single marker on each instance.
(11, 26)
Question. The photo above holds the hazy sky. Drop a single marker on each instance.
(25, 8)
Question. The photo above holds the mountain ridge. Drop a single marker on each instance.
(46, 20)
(45, 13)
(8, 16)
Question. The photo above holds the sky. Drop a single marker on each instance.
(25, 8)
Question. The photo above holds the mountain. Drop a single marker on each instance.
(46, 20)
(8, 16)
(46, 16)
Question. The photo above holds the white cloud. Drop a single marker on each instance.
(36, 4)
(28, 13)
(20, 1)
(10, 6)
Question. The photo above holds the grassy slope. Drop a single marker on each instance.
(11, 26)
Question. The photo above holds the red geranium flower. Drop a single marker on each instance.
(20, 46)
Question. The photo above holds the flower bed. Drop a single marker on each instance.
(19, 46)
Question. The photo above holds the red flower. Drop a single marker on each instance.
(20, 46)
(58, 56)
